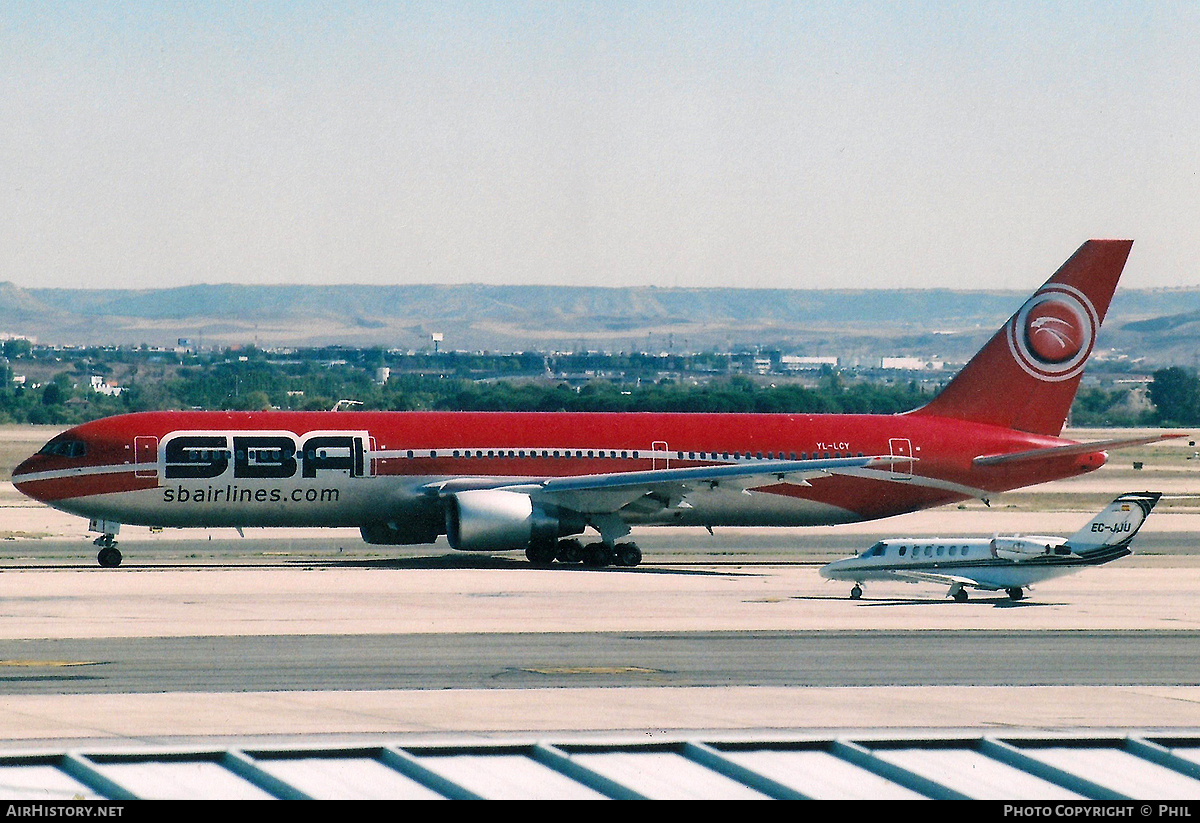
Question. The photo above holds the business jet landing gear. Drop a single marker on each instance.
(109, 555)
(1015, 593)
(958, 593)
(856, 592)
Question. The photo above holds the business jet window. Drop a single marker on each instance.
(65, 448)
(903, 551)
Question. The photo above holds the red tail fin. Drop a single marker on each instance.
(1025, 378)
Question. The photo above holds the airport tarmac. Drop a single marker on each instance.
(445, 594)
(220, 586)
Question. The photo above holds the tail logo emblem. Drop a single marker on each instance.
(1053, 333)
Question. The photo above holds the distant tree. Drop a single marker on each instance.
(17, 347)
(1175, 393)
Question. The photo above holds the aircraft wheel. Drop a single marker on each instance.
(569, 551)
(1015, 593)
(541, 555)
(960, 596)
(628, 554)
(109, 557)
(597, 555)
(856, 592)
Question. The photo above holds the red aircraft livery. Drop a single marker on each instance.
(535, 480)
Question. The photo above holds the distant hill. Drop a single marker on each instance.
(1161, 324)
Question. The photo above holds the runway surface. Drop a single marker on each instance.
(598, 660)
(317, 650)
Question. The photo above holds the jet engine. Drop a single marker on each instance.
(493, 520)
(1023, 548)
(409, 523)
(401, 532)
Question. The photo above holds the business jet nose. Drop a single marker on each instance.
(829, 570)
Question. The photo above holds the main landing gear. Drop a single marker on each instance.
(109, 555)
(960, 594)
(595, 555)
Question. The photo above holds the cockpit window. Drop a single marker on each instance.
(65, 448)
(875, 551)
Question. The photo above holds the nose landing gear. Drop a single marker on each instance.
(109, 555)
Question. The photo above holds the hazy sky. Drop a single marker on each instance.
(800, 145)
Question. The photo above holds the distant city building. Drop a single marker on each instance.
(792, 362)
(911, 364)
(101, 387)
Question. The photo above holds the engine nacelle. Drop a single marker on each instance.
(401, 533)
(494, 520)
(409, 523)
(1023, 548)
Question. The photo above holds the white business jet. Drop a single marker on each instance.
(1009, 564)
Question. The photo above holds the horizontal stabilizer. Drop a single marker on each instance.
(1069, 450)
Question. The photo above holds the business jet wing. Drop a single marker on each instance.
(1069, 450)
(944, 579)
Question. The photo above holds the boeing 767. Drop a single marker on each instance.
(538, 481)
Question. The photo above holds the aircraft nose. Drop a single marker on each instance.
(26, 466)
(20, 475)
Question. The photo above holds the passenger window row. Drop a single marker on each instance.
(932, 551)
(625, 454)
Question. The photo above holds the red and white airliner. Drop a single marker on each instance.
(536, 480)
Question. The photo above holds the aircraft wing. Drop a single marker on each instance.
(944, 579)
(1069, 450)
(598, 493)
(602, 497)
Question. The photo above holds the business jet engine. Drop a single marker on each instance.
(493, 520)
(1024, 548)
